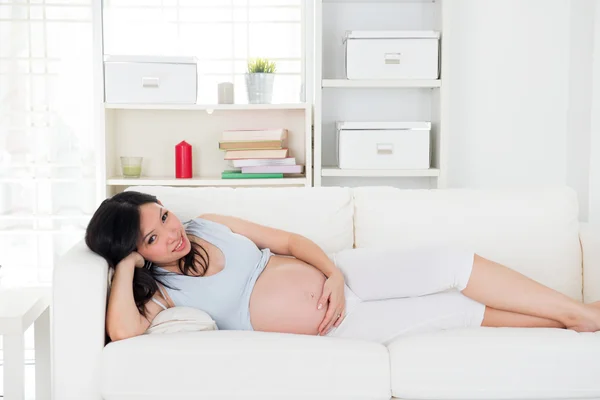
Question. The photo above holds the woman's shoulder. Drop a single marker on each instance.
(205, 221)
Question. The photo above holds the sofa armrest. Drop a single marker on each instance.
(78, 310)
(589, 236)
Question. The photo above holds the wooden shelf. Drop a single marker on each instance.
(380, 83)
(208, 181)
(125, 130)
(334, 171)
(208, 107)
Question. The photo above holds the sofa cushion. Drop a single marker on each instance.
(236, 365)
(324, 215)
(535, 232)
(496, 363)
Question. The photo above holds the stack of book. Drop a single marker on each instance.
(258, 154)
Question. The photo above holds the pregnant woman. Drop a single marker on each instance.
(252, 277)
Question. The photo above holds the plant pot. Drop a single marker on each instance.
(260, 88)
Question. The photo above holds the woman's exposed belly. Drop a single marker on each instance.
(285, 297)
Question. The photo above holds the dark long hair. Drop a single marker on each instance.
(113, 233)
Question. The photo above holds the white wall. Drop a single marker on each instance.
(521, 101)
(594, 178)
(580, 100)
(509, 72)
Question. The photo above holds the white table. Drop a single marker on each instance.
(19, 308)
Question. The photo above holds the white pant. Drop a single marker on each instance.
(391, 293)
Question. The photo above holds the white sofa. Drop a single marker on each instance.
(533, 231)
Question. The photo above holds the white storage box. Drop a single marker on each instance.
(384, 145)
(150, 79)
(392, 54)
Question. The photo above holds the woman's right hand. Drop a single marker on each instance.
(137, 259)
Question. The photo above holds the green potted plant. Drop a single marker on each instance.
(259, 80)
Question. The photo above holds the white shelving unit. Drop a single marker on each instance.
(152, 131)
(339, 99)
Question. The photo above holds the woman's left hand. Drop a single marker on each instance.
(333, 292)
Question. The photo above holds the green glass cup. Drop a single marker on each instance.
(131, 167)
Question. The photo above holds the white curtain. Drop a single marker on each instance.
(47, 188)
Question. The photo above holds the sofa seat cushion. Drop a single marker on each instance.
(237, 364)
(496, 363)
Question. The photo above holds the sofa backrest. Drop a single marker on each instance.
(535, 232)
(324, 215)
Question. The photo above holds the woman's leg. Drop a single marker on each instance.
(499, 318)
(377, 274)
(384, 320)
(499, 287)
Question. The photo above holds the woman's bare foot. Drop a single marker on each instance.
(589, 320)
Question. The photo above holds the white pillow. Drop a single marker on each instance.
(181, 319)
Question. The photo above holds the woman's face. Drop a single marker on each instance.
(163, 239)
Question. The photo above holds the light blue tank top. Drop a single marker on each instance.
(225, 296)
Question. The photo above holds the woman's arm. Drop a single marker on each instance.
(311, 253)
(123, 320)
(279, 242)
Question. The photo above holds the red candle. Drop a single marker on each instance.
(183, 160)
